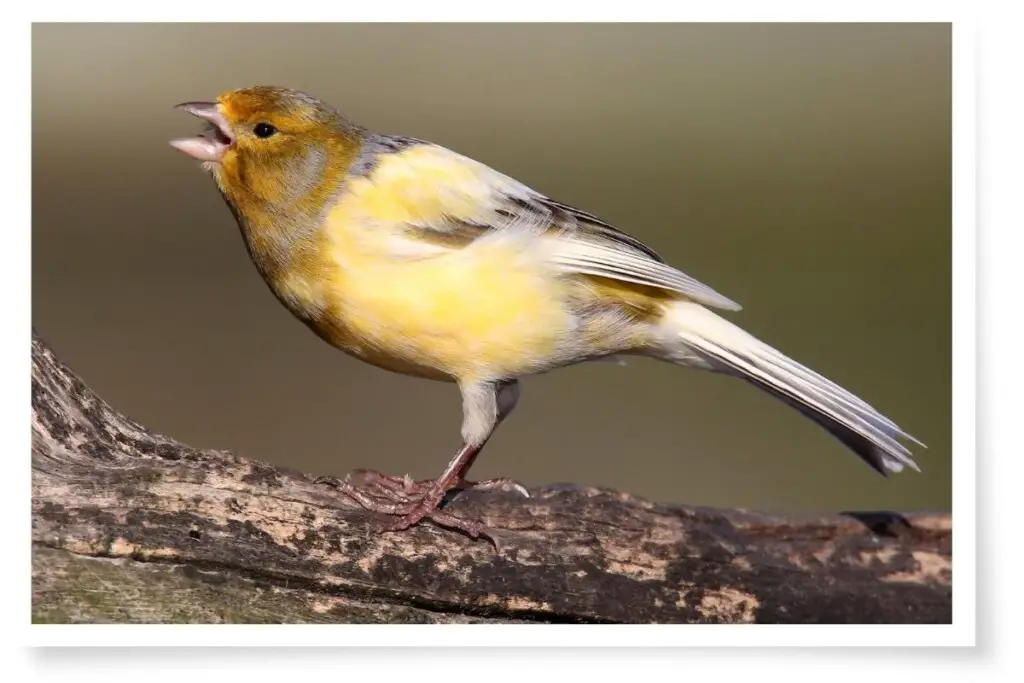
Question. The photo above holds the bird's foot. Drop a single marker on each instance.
(400, 488)
(408, 502)
(387, 486)
(426, 504)
(501, 484)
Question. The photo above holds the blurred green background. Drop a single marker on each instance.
(802, 170)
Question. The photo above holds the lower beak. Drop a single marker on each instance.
(212, 144)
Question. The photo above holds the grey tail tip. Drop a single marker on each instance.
(880, 450)
(886, 462)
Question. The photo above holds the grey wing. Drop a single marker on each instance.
(579, 242)
(586, 244)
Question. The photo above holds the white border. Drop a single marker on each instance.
(961, 632)
(505, 635)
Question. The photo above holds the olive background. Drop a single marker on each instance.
(803, 170)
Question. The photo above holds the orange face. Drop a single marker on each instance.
(261, 120)
(269, 142)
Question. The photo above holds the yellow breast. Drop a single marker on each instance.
(487, 310)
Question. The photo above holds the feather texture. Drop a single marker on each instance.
(422, 261)
(471, 200)
(867, 432)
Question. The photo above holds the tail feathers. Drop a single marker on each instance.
(865, 431)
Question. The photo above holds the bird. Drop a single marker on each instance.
(422, 261)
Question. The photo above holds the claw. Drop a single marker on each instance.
(473, 528)
(392, 496)
(409, 502)
(503, 484)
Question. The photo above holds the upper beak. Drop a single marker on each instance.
(209, 146)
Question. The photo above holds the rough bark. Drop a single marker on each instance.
(132, 526)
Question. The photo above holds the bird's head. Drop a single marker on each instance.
(271, 144)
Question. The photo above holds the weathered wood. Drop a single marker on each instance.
(132, 526)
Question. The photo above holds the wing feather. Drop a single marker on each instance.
(469, 200)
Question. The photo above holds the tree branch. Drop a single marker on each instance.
(132, 526)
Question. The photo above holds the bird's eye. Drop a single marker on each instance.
(264, 130)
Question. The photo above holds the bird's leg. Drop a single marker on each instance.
(425, 502)
(403, 507)
(485, 405)
(508, 396)
(405, 489)
(480, 416)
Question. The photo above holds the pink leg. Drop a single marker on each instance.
(412, 502)
(485, 404)
(430, 495)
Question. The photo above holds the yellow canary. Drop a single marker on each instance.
(422, 261)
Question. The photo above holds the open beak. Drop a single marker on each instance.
(212, 144)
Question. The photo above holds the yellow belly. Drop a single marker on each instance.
(477, 313)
